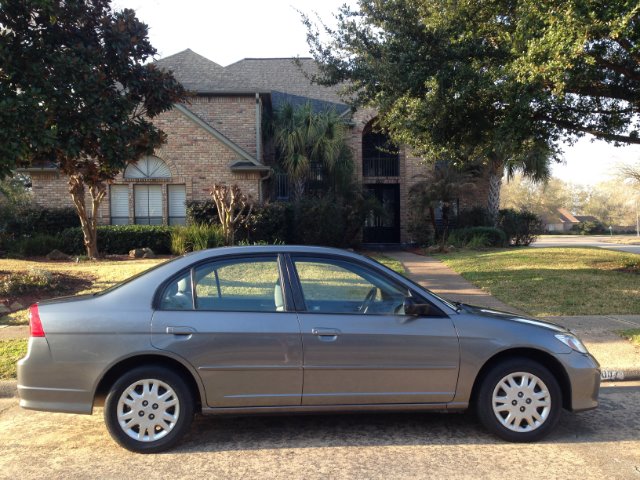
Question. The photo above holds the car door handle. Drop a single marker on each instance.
(180, 330)
(325, 332)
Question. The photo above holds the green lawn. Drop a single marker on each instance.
(555, 281)
(391, 263)
(10, 352)
(633, 335)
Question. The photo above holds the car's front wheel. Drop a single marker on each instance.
(148, 409)
(519, 400)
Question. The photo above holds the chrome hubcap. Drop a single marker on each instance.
(148, 410)
(521, 402)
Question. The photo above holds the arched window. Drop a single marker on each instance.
(154, 202)
(147, 167)
(380, 157)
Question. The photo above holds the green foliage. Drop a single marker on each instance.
(478, 237)
(271, 223)
(474, 217)
(78, 91)
(33, 219)
(38, 245)
(589, 228)
(521, 228)
(33, 280)
(202, 211)
(305, 140)
(195, 237)
(119, 239)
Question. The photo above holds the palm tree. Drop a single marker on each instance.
(533, 161)
(305, 138)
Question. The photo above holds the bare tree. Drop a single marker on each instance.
(234, 209)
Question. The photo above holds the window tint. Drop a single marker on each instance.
(239, 285)
(336, 286)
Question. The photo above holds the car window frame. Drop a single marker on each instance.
(298, 293)
(289, 305)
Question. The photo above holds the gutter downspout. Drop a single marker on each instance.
(259, 145)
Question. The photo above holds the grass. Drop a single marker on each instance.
(633, 335)
(391, 263)
(10, 352)
(555, 281)
(92, 277)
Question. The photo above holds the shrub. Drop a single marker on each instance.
(195, 237)
(37, 246)
(119, 239)
(420, 227)
(589, 228)
(521, 228)
(271, 223)
(32, 281)
(474, 217)
(202, 211)
(478, 237)
(33, 220)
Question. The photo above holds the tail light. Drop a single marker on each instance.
(35, 325)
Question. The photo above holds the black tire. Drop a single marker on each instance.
(174, 398)
(495, 421)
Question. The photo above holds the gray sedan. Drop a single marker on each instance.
(249, 330)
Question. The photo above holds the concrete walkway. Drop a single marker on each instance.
(620, 360)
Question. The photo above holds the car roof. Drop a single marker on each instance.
(249, 249)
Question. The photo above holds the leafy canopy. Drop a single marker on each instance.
(75, 89)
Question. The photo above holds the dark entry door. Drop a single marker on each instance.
(384, 227)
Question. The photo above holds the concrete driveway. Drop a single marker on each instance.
(604, 443)
(600, 241)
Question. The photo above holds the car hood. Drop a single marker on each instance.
(510, 317)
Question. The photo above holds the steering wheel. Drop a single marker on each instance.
(371, 294)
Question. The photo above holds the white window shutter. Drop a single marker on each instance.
(177, 204)
(119, 204)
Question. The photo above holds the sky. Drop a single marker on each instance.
(229, 30)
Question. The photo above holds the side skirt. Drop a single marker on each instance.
(286, 410)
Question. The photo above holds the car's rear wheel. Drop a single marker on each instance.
(519, 400)
(148, 409)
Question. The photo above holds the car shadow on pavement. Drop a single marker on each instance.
(617, 419)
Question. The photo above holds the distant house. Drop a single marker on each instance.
(564, 220)
(216, 137)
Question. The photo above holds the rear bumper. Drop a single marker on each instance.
(37, 374)
(584, 377)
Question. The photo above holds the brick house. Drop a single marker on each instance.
(216, 137)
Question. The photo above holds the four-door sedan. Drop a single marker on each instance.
(287, 329)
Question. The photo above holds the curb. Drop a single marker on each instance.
(8, 388)
(617, 375)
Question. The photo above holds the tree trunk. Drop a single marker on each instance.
(496, 170)
(88, 223)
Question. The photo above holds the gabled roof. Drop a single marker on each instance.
(566, 216)
(250, 76)
(193, 71)
(245, 159)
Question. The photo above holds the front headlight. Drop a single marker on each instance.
(572, 342)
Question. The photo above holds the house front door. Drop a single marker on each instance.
(384, 227)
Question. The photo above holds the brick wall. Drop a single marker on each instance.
(195, 158)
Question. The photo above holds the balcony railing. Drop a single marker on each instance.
(380, 167)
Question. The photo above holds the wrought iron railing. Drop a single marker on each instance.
(380, 167)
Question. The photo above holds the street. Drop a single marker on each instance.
(600, 241)
(604, 443)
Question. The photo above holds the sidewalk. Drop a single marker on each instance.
(619, 359)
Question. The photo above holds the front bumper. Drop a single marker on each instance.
(583, 371)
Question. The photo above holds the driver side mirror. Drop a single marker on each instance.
(411, 307)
